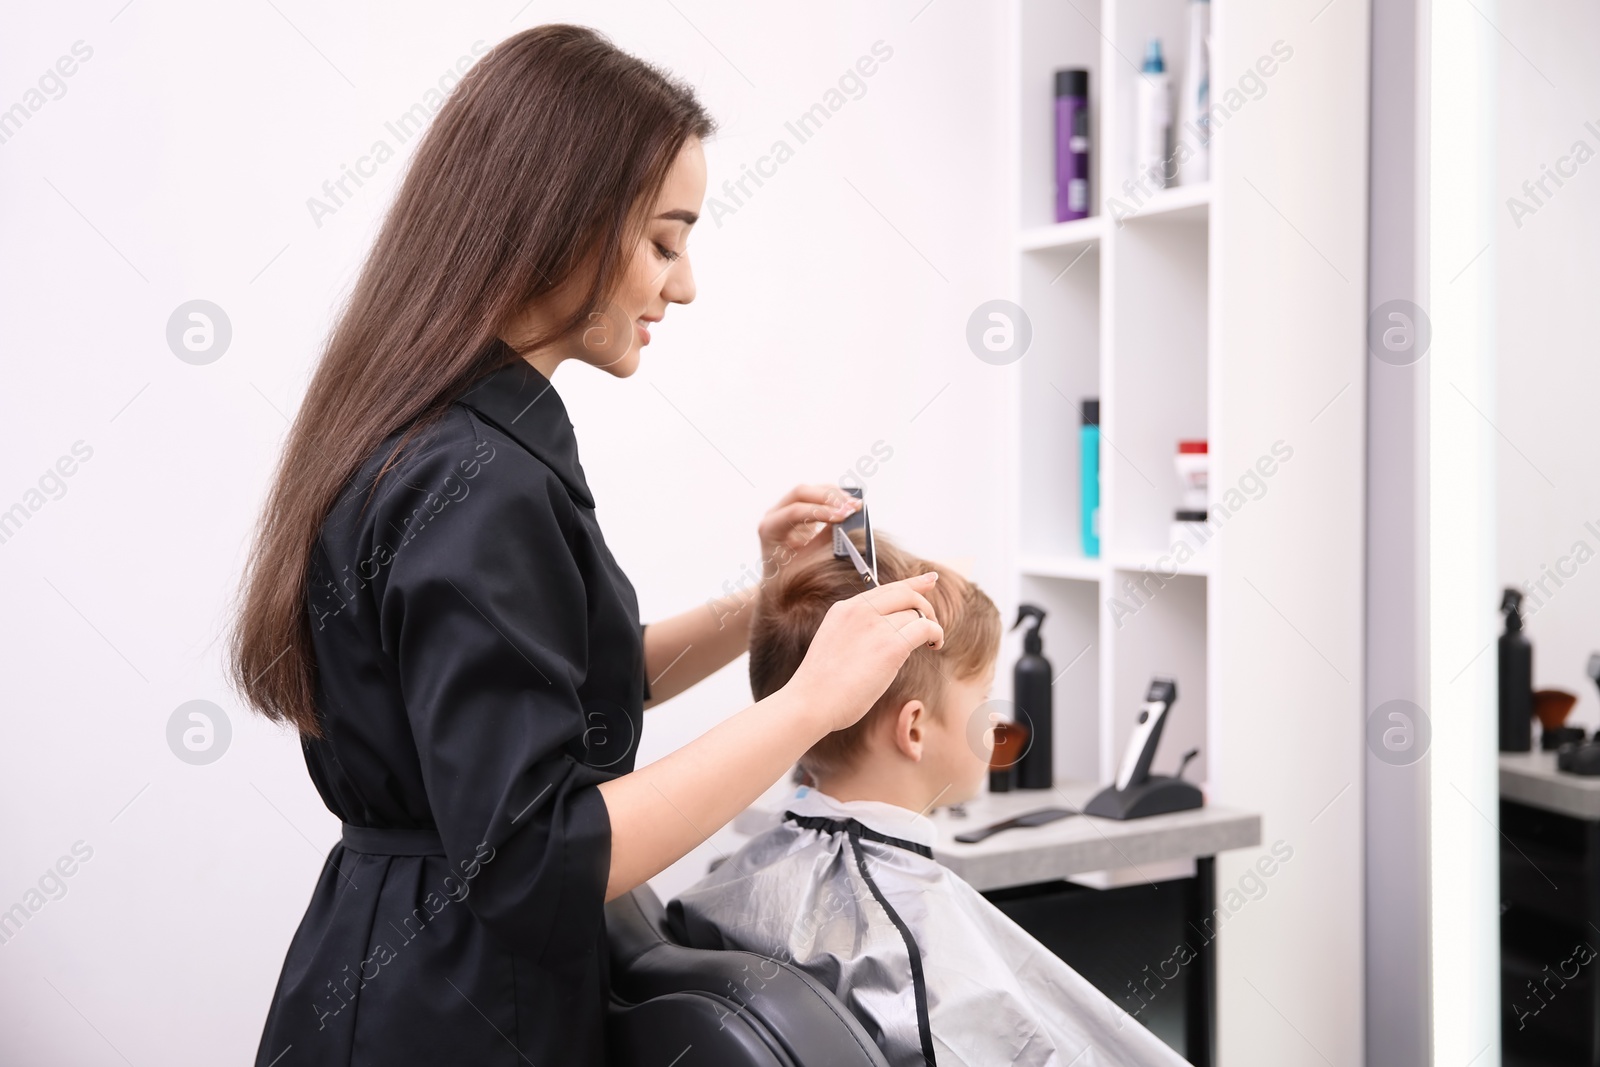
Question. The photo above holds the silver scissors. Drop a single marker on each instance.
(844, 548)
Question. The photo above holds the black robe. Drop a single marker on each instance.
(480, 670)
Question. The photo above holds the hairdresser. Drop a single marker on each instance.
(431, 605)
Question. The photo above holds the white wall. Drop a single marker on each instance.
(1548, 376)
(176, 166)
(1290, 228)
(1463, 775)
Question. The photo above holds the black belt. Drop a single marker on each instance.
(386, 841)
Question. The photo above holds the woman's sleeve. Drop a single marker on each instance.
(484, 612)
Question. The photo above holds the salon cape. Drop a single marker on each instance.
(849, 893)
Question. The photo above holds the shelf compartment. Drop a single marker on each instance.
(1060, 292)
(1158, 627)
(1159, 389)
(1071, 636)
(1054, 36)
(1129, 28)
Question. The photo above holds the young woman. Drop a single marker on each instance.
(431, 604)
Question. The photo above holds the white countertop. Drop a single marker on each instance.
(1531, 778)
(1073, 846)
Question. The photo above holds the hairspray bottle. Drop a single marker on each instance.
(1194, 109)
(1031, 691)
(1152, 119)
(1072, 144)
(1516, 679)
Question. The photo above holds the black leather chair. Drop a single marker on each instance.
(673, 1006)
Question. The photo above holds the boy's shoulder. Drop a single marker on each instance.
(746, 891)
(804, 867)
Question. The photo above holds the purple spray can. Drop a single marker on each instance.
(1072, 144)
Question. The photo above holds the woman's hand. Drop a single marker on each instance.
(800, 526)
(860, 647)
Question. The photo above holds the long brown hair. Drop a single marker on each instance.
(538, 169)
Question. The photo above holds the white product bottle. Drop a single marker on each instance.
(1194, 107)
(1153, 120)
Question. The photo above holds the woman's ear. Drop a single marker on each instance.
(910, 729)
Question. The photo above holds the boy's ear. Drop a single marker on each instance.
(911, 711)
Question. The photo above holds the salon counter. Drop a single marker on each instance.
(1531, 778)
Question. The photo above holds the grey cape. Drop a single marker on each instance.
(850, 893)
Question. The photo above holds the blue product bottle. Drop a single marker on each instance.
(1089, 477)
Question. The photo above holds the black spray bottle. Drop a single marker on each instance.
(1516, 679)
(1031, 692)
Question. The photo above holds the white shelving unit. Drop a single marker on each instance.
(1122, 311)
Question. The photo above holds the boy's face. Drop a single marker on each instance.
(956, 753)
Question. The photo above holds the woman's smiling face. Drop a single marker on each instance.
(657, 274)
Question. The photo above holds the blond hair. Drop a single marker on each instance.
(792, 607)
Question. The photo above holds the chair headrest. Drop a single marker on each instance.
(797, 1012)
(635, 924)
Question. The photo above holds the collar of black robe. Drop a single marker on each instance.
(525, 405)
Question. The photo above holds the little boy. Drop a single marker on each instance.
(845, 887)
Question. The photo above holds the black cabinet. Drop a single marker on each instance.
(1151, 948)
(1549, 937)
